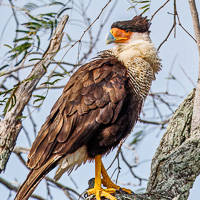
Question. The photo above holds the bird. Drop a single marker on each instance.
(98, 108)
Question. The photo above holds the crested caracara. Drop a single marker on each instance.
(98, 108)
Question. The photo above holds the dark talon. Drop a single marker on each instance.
(91, 183)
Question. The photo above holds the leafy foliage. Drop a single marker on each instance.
(143, 5)
(9, 96)
(30, 31)
(28, 42)
(137, 137)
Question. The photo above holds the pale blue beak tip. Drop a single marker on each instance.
(110, 38)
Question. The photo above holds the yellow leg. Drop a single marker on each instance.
(98, 191)
(107, 182)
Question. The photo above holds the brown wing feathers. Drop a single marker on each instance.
(91, 101)
(33, 179)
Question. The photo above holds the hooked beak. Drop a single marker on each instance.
(110, 38)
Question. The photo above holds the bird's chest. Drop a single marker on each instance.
(140, 76)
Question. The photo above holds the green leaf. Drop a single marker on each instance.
(32, 28)
(38, 44)
(10, 103)
(21, 117)
(33, 18)
(136, 1)
(62, 11)
(13, 101)
(144, 2)
(146, 6)
(52, 28)
(69, 38)
(50, 83)
(3, 67)
(22, 47)
(145, 10)
(30, 78)
(57, 3)
(52, 14)
(6, 106)
(6, 92)
(30, 6)
(6, 45)
(58, 74)
(131, 7)
(32, 24)
(32, 59)
(3, 101)
(44, 68)
(137, 137)
(39, 98)
(22, 31)
(22, 39)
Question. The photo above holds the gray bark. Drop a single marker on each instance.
(196, 25)
(176, 163)
(10, 126)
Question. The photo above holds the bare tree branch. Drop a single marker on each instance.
(176, 163)
(63, 187)
(84, 32)
(162, 6)
(11, 124)
(172, 169)
(11, 187)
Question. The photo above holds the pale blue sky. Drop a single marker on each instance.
(182, 49)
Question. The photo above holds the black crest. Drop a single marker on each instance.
(137, 24)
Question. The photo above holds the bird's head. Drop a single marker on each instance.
(123, 31)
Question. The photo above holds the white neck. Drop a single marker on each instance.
(139, 45)
(139, 36)
(141, 60)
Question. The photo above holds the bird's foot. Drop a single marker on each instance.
(107, 182)
(111, 185)
(100, 192)
(123, 189)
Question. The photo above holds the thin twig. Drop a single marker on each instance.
(170, 31)
(84, 32)
(162, 6)
(180, 24)
(22, 66)
(153, 122)
(15, 17)
(116, 156)
(172, 28)
(187, 76)
(11, 187)
(131, 170)
(61, 186)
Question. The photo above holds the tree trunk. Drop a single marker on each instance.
(176, 163)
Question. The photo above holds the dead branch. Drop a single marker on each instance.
(176, 163)
(11, 124)
(14, 188)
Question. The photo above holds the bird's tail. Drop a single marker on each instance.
(33, 179)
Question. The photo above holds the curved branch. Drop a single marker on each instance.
(176, 163)
(11, 187)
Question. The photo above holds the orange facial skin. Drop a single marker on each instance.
(121, 36)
